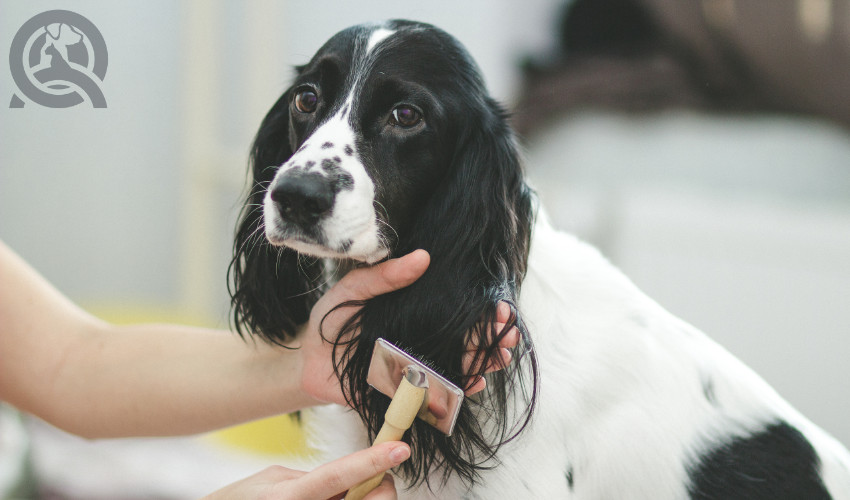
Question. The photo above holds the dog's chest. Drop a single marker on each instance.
(603, 427)
(629, 396)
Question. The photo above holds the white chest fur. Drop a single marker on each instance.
(629, 395)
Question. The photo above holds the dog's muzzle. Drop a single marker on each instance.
(320, 203)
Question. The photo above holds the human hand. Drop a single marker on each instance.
(330, 481)
(510, 340)
(317, 376)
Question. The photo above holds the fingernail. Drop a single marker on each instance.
(399, 454)
(506, 355)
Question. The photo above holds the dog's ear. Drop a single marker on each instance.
(477, 227)
(271, 290)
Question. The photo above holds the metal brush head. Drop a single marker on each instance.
(442, 398)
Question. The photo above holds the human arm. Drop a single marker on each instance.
(100, 380)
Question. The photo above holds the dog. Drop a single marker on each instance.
(387, 141)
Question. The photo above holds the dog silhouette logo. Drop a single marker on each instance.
(58, 59)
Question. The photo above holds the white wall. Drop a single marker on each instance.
(89, 195)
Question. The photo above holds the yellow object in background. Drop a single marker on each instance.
(279, 435)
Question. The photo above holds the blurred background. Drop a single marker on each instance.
(703, 145)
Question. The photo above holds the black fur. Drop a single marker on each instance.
(272, 289)
(454, 188)
(777, 463)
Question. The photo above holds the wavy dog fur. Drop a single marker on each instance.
(462, 198)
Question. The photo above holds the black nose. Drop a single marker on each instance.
(303, 199)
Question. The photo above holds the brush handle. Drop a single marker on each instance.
(399, 417)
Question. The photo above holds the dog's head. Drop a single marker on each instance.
(386, 142)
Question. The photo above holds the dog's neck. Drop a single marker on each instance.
(335, 269)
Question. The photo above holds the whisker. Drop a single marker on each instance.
(277, 261)
(302, 259)
(385, 223)
(255, 238)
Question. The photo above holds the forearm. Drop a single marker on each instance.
(98, 380)
(169, 380)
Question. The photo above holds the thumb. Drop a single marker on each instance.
(346, 472)
(393, 274)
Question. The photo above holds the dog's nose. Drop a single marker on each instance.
(303, 199)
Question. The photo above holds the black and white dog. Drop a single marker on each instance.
(388, 141)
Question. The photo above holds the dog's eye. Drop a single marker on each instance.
(306, 101)
(406, 116)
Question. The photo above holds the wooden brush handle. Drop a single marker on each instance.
(399, 417)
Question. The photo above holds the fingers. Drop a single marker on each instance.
(368, 282)
(503, 315)
(265, 484)
(509, 340)
(503, 312)
(494, 365)
(346, 472)
(503, 360)
(476, 387)
(384, 491)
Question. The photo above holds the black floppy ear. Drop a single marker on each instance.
(271, 290)
(476, 226)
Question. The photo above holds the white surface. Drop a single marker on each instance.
(167, 468)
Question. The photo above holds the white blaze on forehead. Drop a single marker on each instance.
(363, 65)
(377, 36)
